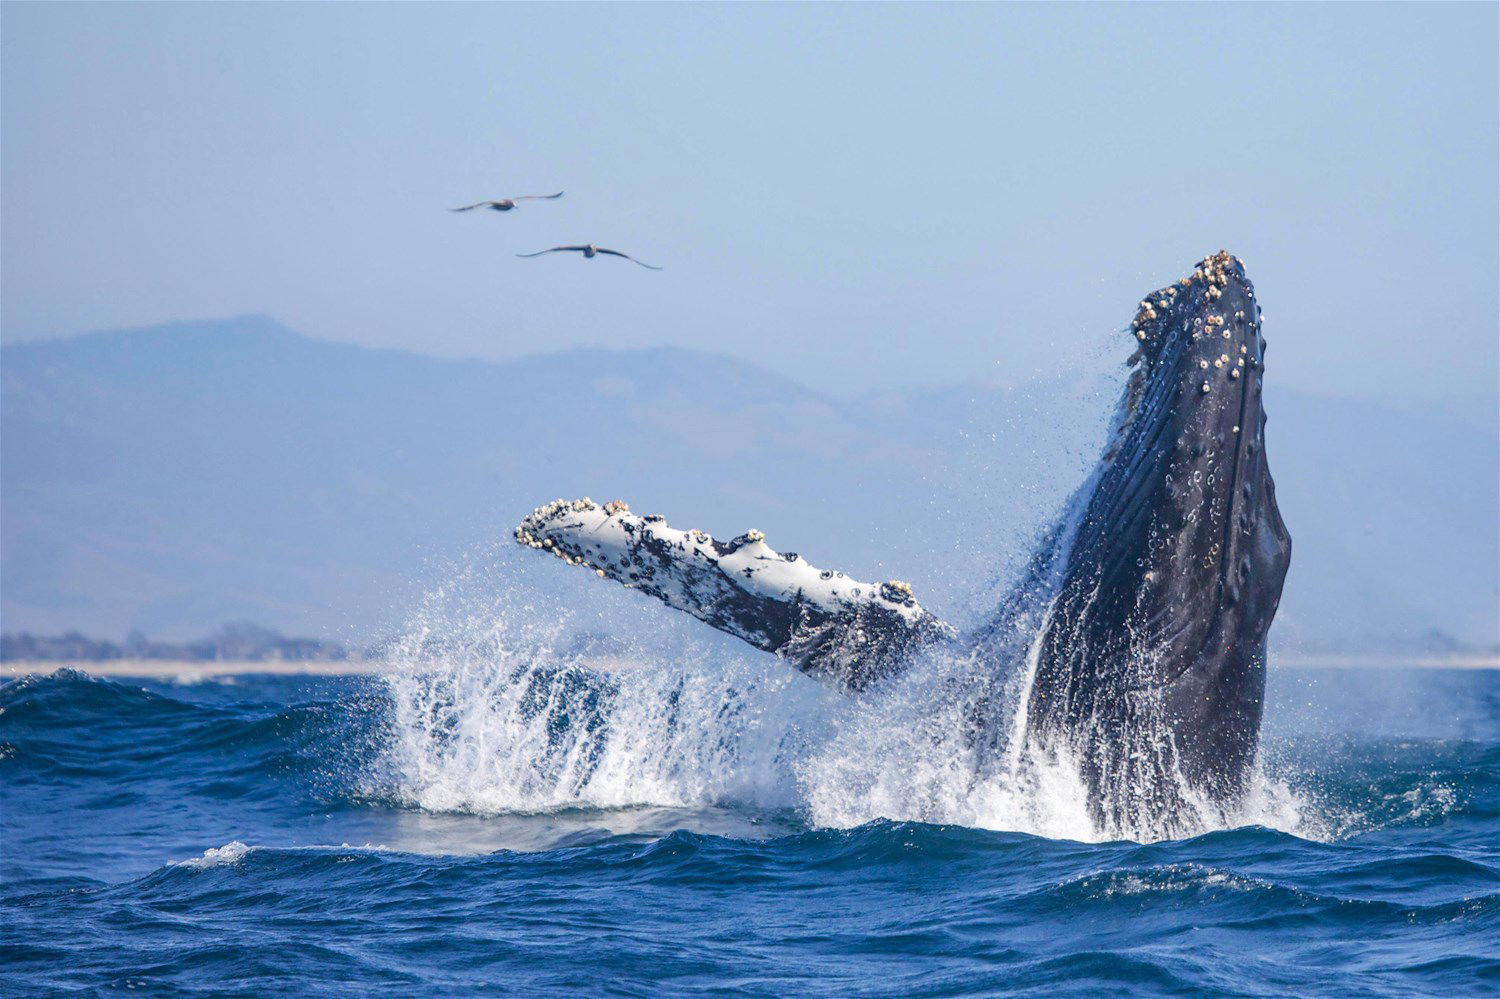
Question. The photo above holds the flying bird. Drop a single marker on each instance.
(589, 250)
(506, 204)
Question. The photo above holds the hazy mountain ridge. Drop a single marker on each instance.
(236, 641)
(170, 477)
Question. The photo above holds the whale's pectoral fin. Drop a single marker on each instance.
(824, 623)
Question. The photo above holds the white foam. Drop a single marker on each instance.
(230, 853)
(505, 720)
(513, 723)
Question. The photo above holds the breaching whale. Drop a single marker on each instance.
(1141, 622)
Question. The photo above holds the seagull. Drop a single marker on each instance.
(506, 204)
(589, 250)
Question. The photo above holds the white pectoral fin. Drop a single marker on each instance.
(823, 622)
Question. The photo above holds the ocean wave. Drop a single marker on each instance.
(883, 908)
(536, 738)
(70, 726)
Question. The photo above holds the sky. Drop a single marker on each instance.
(859, 196)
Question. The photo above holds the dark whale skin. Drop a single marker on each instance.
(1150, 670)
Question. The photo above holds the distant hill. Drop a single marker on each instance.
(237, 641)
(164, 479)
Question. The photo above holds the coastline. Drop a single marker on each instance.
(1334, 660)
(197, 672)
(167, 669)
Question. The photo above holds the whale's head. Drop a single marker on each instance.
(1150, 671)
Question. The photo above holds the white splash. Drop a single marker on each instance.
(519, 715)
(514, 708)
(909, 753)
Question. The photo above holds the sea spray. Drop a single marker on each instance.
(914, 751)
(519, 700)
(514, 708)
(504, 704)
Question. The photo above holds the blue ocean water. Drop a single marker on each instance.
(274, 835)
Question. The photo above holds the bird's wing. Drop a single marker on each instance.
(617, 253)
(554, 249)
(533, 197)
(477, 204)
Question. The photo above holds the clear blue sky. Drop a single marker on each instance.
(862, 196)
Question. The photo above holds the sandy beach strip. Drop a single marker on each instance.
(197, 672)
(1476, 660)
(167, 669)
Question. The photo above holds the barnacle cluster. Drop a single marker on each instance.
(1212, 270)
(750, 537)
(526, 531)
(897, 592)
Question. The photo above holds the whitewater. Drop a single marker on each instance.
(617, 803)
(508, 707)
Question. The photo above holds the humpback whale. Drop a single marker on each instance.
(1138, 631)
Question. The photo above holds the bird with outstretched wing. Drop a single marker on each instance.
(506, 204)
(589, 250)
